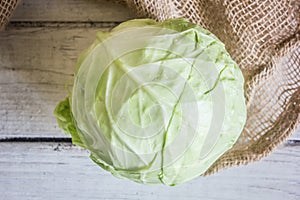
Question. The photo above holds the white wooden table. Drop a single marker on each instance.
(38, 51)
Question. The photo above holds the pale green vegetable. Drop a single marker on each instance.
(155, 102)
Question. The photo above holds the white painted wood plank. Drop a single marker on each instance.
(296, 134)
(71, 11)
(60, 171)
(35, 65)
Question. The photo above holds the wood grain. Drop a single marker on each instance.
(36, 64)
(60, 171)
(71, 11)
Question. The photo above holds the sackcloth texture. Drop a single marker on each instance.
(263, 37)
(6, 9)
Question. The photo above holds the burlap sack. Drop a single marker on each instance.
(6, 9)
(263, 37)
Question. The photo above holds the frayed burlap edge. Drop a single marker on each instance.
(283, 128)
(264, 146)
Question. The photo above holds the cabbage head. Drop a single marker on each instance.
(155, 102)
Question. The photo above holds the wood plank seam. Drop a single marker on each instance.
(289, 142)
(36, 139)
(61, 24)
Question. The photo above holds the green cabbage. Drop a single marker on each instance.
(155, 102)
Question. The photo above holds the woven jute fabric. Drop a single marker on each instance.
(6, 9)
(263, 37)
